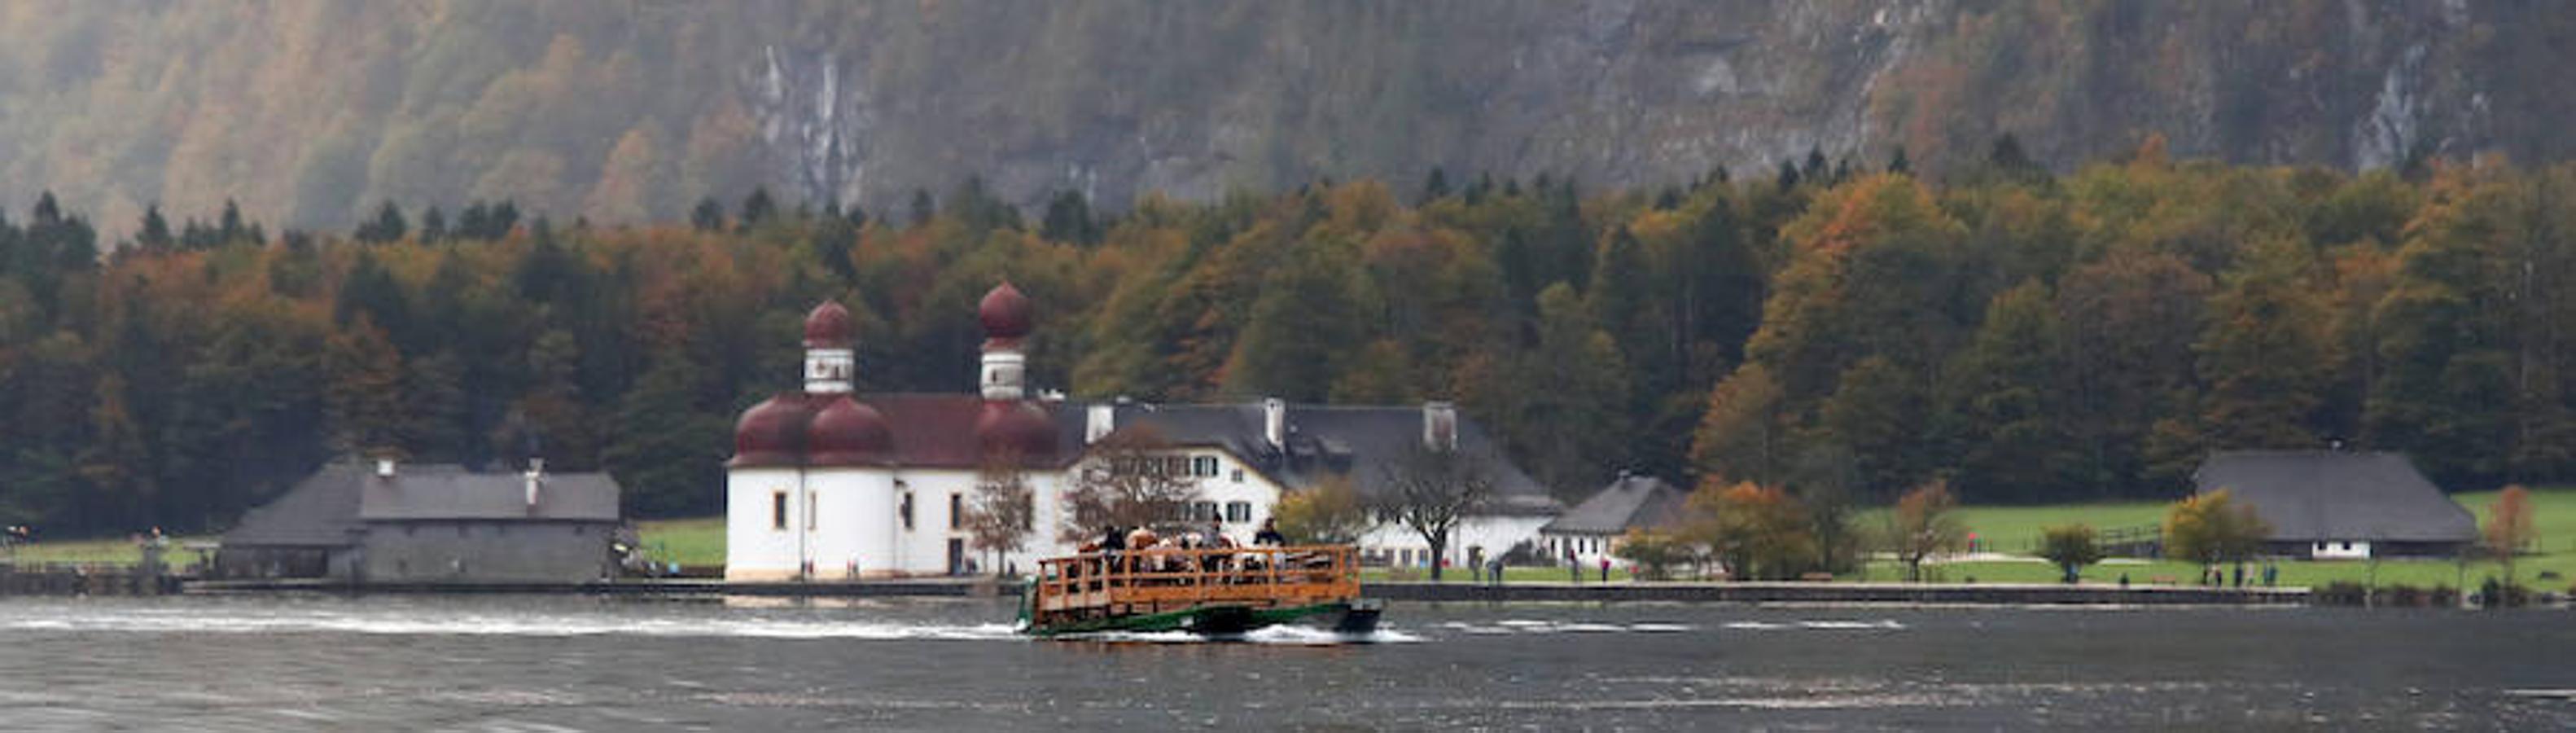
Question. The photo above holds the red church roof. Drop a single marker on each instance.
(1004, 313)
(828, 326)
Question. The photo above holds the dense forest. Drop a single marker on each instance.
(1828, 327)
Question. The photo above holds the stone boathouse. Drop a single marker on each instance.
(390, 523)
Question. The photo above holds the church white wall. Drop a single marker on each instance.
(921, 547)
(851, 535)
(858, 519)
(756, 548)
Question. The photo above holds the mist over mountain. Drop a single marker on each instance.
(310, 112)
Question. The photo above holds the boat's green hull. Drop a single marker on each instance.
(1217, 620)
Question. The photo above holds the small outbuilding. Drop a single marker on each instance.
(429, 523)
(1592, 530)
(2341, 504)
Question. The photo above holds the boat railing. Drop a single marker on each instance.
(1159, 579)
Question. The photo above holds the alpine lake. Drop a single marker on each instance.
(580, 663)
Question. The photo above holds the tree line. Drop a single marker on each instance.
(1835, 330)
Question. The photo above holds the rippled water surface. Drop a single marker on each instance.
(563, 663)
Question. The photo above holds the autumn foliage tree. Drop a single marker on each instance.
(1924, 523)
(1755, 532)
(2212, 528)
(1329, 512)
(2508, 528)
(1655, 553)
(2070, 547)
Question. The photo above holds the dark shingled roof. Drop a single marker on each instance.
(1327, 440)
(331, 507)
(2311, 496)
(447, 491)
(938, 430)
(1632, 502)
(320, 511)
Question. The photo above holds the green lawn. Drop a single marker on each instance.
(1510, 575)
(692, 542)
(2015, 529)
(700, 542)
(116, 551)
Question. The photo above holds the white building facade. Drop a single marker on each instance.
(827, 485)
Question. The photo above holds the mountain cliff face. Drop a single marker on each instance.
(310, 112)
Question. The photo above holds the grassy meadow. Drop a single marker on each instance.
(2008, 530)
(2005, 529)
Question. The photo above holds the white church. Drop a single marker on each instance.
(825, 484)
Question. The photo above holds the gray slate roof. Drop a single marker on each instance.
(1326, 440)
(320, 511)
(447, 491)
(1631, 502)
(331, 507)
(2311, 496)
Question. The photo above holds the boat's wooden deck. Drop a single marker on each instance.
(1110, 584)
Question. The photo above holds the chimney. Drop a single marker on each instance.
(1099, 420)
(384, 468)
(1274, 423)
(536, 477)
(1440, 426)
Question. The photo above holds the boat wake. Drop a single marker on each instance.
(1825, 625)
(481, 624)
(1284, 635)
(1527, 626)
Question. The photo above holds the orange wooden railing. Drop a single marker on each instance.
(1157, 580)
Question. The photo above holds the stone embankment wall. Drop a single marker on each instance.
(1841, 593)
(55, 579)
(1989, 594)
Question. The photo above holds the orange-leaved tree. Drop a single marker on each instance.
(2212, 528)
(1755, 531)
(2508, 526)
(1925, 522)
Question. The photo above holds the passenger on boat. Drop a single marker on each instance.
(1216, 540)
(1142, 545)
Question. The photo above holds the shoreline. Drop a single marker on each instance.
(1746, 593)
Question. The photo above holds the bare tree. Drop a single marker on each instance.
(1130, 479)
(2508, 527)
(1430, 491)
(1925, 523)
(999, 517)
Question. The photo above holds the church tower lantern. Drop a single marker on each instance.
(829, 358)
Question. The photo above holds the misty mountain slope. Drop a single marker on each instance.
(309, 112)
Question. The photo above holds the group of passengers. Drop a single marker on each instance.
(1142, 550)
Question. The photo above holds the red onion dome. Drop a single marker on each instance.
(1017, 427)
(771, 433)
(828, 326)
(1005, 313)
(847, 432)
